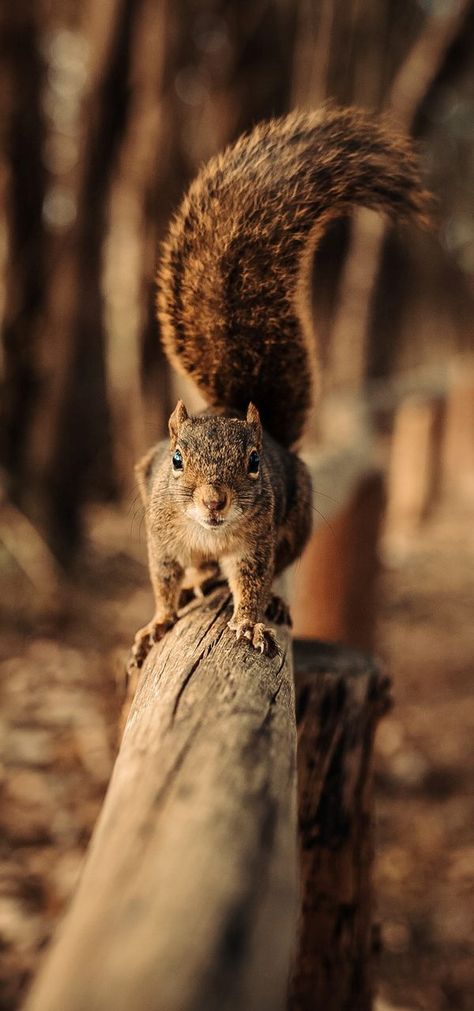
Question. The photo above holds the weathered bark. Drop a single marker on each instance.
(340, 696)
(188, 897)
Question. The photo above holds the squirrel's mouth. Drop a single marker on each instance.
(212, 521)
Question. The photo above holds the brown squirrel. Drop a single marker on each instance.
(234, 309)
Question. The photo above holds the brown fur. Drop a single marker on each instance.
(234, 280)
(262, 522)
(234, 310)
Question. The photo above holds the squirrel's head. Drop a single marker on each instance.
(215, 464)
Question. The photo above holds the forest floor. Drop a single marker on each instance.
(61, 691)
(424, 872)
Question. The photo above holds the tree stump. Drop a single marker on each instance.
(340, 696)
(188, 899)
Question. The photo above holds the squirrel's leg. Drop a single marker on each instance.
(250, 580)
(166, 577)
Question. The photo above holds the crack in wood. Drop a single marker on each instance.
(187, 678)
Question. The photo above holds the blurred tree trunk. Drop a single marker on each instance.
(56, 432)
(349, 357)
(24, 177)
(390, 59)
(81, 462)
(421, 289)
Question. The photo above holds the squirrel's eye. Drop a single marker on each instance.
(254, 462)
(177, 460)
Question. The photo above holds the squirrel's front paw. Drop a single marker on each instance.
(145, 639)
(262, 638)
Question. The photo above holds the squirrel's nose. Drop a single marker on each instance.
(214, 500)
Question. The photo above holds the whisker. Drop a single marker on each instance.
(137, 517)
(323, 517)
(132, 500)
(140, 527)
(324, 495)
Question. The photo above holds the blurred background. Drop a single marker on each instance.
(106, 112)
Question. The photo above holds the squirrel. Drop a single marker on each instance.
(228, 490)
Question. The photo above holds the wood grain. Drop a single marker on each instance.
(188, 896)
(188, 900)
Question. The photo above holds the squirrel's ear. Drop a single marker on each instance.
(179, 415)
(253, 418)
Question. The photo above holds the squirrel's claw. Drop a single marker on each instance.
(145, 638)
(258, 635)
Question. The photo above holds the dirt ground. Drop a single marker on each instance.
(424, 872)
(61, 691)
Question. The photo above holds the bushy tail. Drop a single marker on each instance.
(233, 298)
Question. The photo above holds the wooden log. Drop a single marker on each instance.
(340, 697)
(188, 895)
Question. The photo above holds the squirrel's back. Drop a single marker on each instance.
(234, 282)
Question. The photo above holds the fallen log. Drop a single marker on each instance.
(188, 895)
(188, 899)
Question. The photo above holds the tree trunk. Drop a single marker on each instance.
(22, 135)
(80, 464)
